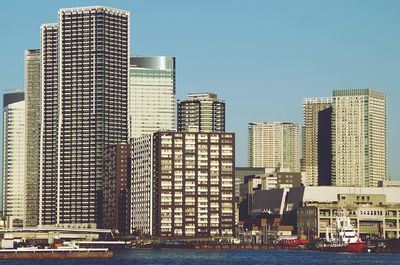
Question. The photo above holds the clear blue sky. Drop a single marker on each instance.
(262, 56)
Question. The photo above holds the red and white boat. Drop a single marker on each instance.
(345, 239)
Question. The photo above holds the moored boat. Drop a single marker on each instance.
(345, 239)
(65, 251)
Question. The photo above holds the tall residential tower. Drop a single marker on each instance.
(358, 137)
(311, 109)
(32, 120)
(85, 94)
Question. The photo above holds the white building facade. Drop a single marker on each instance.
(14, 148)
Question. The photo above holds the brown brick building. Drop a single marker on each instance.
(116, 195)
(183, 184)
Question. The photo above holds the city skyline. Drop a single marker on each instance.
(342, 53)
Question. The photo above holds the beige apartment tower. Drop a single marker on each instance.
(274, 144)
(32, 131)
(359, 137)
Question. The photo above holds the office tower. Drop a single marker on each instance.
(117, 189)
(358, 137)
(87, 105)
(203, 111)
(274, 144)
(183, 184)
(151, 94)
(13, 183)
(32, 129)
(311, 108)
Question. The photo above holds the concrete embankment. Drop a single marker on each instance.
(40, 255)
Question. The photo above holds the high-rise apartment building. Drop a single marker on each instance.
(358, 137)
(116, 203)
(151, 94)
(325, 147)
(85, 61)
(311, 109)
(32, 130)
(203, 111)
(274, 144)
(14, 181)
(183, 184)
(48, 124)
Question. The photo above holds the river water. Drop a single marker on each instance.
(241, 257)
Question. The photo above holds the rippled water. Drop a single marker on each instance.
(242, 257)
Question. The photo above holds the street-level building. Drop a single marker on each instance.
(183, 184)
(373, 217)
(269, 181)
(241, 172)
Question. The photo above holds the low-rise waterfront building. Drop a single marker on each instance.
(373, 217)
(297, 206)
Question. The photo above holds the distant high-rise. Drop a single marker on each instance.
(85, 61)
(358, 137)
(151, 94)
(274, 144)
(32, 119)
(203, 111)
(311, 108)
(14, 182)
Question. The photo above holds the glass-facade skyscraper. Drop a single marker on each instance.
(151, 94)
